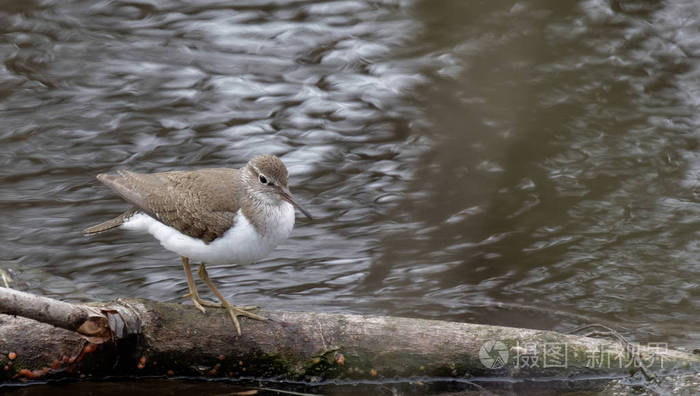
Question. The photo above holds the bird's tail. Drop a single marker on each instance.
(109, 224)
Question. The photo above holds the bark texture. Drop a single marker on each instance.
(152, 338)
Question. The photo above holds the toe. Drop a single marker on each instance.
(243, 312)
(199, 306)
(235, 320)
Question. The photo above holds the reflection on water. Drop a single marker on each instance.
(563, 178)
(531, 163)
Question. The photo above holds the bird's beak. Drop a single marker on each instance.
(287, 196)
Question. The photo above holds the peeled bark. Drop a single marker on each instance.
(152, 338)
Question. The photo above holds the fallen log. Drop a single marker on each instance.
(130, 337)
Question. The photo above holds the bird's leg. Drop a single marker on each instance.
(193, 294)
(233, 311)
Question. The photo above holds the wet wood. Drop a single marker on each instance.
(167, 339)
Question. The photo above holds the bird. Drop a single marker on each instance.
(210, 215)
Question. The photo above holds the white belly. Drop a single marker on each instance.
(241, 244)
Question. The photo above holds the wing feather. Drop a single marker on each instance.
(202, 204)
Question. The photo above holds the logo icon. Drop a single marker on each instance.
(493, 354)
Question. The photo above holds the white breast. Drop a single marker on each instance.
(241, 244)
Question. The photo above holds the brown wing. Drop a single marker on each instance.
(201, 204)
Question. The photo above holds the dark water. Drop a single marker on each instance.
(531, 163)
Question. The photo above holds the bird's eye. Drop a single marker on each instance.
(263, 179)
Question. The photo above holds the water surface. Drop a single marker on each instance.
(530, 164)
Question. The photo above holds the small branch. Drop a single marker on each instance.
(6, 278)
(58, 313)
(94, 324)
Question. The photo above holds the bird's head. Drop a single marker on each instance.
(266, 178)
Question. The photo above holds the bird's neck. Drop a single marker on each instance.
(265, 216)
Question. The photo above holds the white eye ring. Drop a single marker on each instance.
(263, 179)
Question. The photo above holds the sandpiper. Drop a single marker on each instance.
(213, 216)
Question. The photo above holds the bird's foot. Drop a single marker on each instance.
(200, 303)
(235, 312)
(212, 304)
(232, 310)
(197, 304)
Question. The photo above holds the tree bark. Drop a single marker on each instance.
(164, 339)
